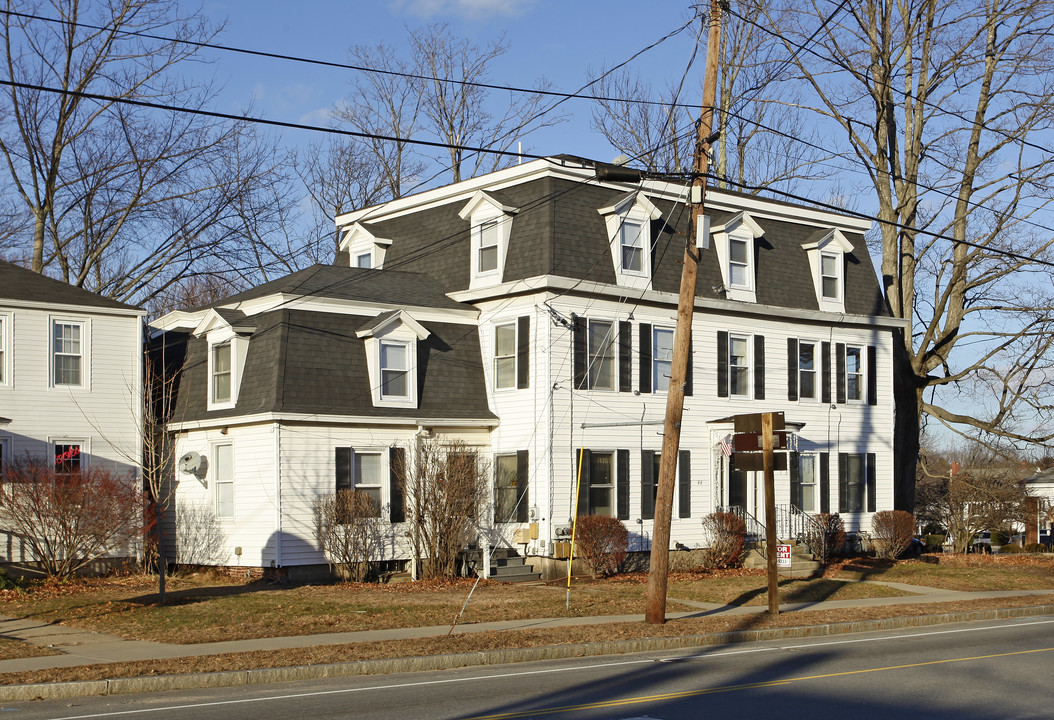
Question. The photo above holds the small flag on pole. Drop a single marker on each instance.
(726, 445)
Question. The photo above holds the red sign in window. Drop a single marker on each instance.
(67, 458)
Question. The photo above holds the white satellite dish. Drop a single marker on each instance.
(190, 463)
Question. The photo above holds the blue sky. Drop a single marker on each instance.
(561, 41)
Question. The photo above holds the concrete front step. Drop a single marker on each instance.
(507, 566)
(802, 563)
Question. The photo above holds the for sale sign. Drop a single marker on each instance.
(783, 556)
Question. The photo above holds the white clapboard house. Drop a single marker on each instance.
(530, 313)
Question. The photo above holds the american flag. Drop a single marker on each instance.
(726, 445)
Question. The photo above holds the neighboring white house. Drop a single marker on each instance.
(530, 313)
(70, 378)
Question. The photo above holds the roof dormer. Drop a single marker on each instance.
(365, 248)
(736, 245)
(490, 223)
(226, 333)
(827, 263)
(628, 220)
(391, 341)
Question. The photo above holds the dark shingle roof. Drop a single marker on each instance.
(302, 361)
(346, 283)
(17, 283)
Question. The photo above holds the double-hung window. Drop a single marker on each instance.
(808, 474)
(631, 241)
(366, 478)
(3, 350)
(854, 373)
(67, 458)
(395, 369)
(601, 483)
(662, 358)
(738, 262)
(739, 365)
(601, 351)
(830, 277)
(505, 356)
(361, 473)
(67, 352)
(807, 357)
(223, 480)
(505, 500)
(221, 372)
(489, 238)
(855, 482)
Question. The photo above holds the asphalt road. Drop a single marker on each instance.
(996, 669)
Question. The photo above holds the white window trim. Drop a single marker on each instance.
(481, 210)
(614, 354)
(816, 504)
(817, 371)
(83, 442)
(85, 326)
(741, 227)
(6, 350)
(360, 241)
(239, 350)
(636, 208)
(215, 482)
(833, 243)
(613, 484)
(656, 329)
(749, 364)
(862, 353)
(401, 328)
(839, 283)
(382, 472)
(515, 354)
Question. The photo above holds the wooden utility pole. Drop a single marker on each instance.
(655, 611)
(770, 513)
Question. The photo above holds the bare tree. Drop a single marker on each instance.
(348, 528)
(446, 490)
(940, 103)
(120, 198)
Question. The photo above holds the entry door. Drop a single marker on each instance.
(744, 491)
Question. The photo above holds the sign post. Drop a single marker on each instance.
(770, 514)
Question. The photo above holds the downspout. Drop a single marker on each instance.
(278, 494)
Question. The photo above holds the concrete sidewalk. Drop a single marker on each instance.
(83, 647)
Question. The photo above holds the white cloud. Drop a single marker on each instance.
(472, 9)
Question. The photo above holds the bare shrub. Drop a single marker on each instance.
(199, 536)
(70, 520)
(726, 534)
(348, 531)
(827, 537)
(602, 541)
(892, 531)
(446, 488)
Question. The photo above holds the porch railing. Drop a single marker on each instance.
(794, 524)
(755, 528)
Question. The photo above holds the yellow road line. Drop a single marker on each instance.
(734, 688)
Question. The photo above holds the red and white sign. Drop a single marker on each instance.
(783, 556)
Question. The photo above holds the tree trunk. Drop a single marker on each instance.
(907, 395)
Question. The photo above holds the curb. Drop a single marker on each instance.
(231, 678)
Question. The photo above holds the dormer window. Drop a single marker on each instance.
(365, 261)
(391, 343)
(827, 262)
(365, 247)
(227, 334)
(490, 222)
(735, 242)
(221, 372)
(628, 220)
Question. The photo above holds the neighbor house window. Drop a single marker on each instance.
(67, 353)
(601, 355)
(738, 365)
(505, 500)
(223, 480)
(830, 278)
(601, 484)
(395, 369)
(505, 356)
(221, 372)
(854, 373)
(67, 458)
(738, 263)
(807, 370)
(662, 359)
(489, 238)
(631, 240)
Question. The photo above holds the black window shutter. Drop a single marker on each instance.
(839, 364)
(622, 484)
(872, 375)
(688, 373)
(523, 350)
(647, 484)
(825, 482)
(522, 497)
(579, 352)
(625, 356)
(684, 483)
(792, 369)
(759, 367)
(871, 484)
(843, 482)
(795, 476)
(582, 477)
(396, 483)
(722, 363)
(343, 468)
(644, 333)
(825, 372)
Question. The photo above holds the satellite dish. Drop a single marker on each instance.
(190, 463)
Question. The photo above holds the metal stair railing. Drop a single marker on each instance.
(755, 528)
(792, 523)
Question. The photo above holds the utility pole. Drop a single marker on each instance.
(655, 611)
